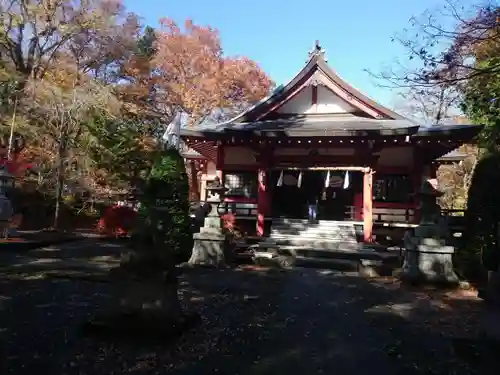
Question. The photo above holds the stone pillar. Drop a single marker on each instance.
(262, 200)
(367, 205)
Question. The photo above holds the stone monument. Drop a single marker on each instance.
(428, 258)
(210, 243)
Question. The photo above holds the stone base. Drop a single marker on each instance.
(140, 325)
(149, 308)
(430, 264)
(209, 250)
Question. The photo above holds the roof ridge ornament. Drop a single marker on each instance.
(317, 51)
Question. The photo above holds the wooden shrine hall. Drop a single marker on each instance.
(318, 136)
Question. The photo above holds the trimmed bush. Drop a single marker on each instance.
(164, 207)
(482, 217)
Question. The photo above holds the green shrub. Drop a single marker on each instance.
(482, 217)
(164, 207)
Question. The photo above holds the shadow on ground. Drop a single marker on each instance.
(85, 255)
(255, 321)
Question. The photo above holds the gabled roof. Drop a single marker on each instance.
(318, 103)
(316, 72)
(452, 157)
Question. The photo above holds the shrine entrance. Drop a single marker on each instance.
(334, 192)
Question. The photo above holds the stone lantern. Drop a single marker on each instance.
(428, 258)
(210, 243)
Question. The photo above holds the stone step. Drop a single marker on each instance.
(325, 236)
(361, 256)
(319, 222)
(327, 245)
(344, 252)
(314, 228)
(321, 227)
(315, 225)
(324, 223)
(319, 231)
(328, 238)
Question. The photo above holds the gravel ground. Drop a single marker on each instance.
(255, 321)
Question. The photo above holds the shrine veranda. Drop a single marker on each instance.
(319, 133)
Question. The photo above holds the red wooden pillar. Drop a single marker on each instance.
(417, 173)
(194, 191)
(264, 190)
(219, 162)
(367, 205)
(433, 169)
(262, 199)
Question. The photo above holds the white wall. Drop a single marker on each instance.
(327, 102)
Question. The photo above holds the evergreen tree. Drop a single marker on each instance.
(483, 216)
(164, 208)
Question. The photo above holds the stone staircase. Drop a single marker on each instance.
(332, 242)
(324, 236)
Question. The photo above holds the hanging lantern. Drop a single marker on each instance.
(346, 181)
(327, 179)
(280, 180)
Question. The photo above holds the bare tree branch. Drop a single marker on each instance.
(442, 46)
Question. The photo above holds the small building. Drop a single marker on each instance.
(317, 135)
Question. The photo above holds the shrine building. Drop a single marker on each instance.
(319, 133)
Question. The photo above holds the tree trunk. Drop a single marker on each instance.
(61, 153)
(468, 177)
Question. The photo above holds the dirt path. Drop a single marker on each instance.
(255, 321)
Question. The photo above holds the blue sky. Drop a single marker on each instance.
(278, 33)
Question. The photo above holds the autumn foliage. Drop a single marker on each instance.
(197, 78)
(91, 91)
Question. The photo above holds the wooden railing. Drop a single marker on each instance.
(396, 215)
(385, 215)
(238, 209)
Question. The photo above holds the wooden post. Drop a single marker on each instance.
(262, 200)
(265, 160)
(417, 173)
(219, 163)
(367, 205)
(194, 190)
(433, 169)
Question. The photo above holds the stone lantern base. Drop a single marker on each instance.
(210, 244)
(428, 260)
(209, 249)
